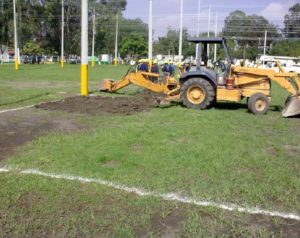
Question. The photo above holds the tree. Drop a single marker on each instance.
(239, 25)
(6, 22)
(134, 45)
(292, 22)
(106, 13)
(31, 48)
(247, 32)
(39, 22)
(134, 30)
(286, 48)
(169, 45)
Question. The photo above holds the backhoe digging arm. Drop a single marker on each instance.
(169, 86)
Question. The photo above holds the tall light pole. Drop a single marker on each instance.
(116, 40)
(150, 36)
(180, 31)
(62, 33)
(93, 39)
(216, 33)
(208, 28)
(198, 28)
(265, 42)
(84, 47)
(15, 37)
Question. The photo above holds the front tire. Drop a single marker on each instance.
(258, 104)
(197, 93)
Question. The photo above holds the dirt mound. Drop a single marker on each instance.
(98, 105)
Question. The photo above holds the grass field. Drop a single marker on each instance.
(36, 83)
(224, 154)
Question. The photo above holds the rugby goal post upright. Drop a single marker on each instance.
(84, 48)
(150, 31)
(15, 37)
(62, 33)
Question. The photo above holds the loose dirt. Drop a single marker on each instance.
(18, 128)
(99, 105)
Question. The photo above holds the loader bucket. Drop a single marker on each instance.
(106, 85)
(292, 106)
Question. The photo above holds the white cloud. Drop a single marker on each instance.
(275, 12)
(162, 24)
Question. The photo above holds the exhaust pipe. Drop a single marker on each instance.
(292, 106)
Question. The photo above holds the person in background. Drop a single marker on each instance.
(155, 70)
(166, 69)
(139, 64)
(144, 66)
(172, 68)
(180, 67)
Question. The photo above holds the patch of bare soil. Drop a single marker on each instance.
(18, 128)
(99, 105)
(292, 150)
(167, 227)
(282, 228)
(228, 225)
(243, 225)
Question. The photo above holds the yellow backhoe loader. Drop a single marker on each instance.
(201, 87)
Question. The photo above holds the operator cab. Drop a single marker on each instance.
(214, 71)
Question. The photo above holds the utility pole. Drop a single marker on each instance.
(150, 30)
(198, 28)
(16, 37)
(265, 42)
(116, 41)
(216, 33)
(180, 33)
(84, 47)
(93, 39)
(208, 29)
(62, 33)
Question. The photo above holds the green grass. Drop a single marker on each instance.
(221, 155)
(224, 154)
(38, 83)
(59, 208)
(33, 206)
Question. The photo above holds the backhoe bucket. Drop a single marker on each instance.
(106, 85)
(292, 106)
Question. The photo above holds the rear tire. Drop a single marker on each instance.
(197, 93)
(258, 104)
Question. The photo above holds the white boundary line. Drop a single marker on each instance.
(16, 109)
(165, 196)
(21, 108)
(2, 170)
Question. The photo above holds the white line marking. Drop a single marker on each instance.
(16, 109)
(165, 196)
(2, 170)
(21, 108)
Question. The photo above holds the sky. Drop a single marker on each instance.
(166, 13)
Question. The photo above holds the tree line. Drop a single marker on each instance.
(39, 28)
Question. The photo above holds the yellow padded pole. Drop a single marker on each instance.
(84, 80)
(16, 63)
